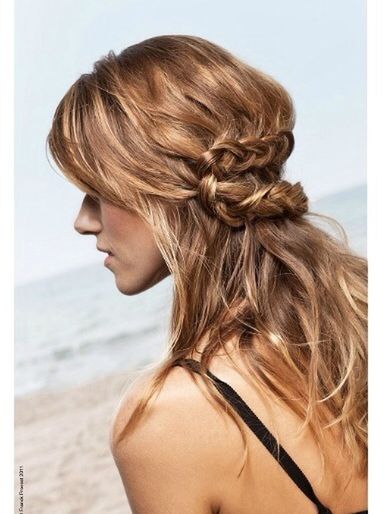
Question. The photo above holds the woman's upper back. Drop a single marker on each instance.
(264, 485)
(199, 438)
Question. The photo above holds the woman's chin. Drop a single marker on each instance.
(127, 287)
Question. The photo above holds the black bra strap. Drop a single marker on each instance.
(263, 434)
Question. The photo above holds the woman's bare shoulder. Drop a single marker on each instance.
(182, 442)
(180, 402)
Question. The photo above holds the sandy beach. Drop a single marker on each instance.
(61, 440)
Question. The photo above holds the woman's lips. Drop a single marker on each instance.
(108, 259)
(109, 256)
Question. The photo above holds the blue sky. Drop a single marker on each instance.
(315, 49)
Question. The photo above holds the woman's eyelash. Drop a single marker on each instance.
(93, 197)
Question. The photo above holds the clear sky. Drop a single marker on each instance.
(316, 49)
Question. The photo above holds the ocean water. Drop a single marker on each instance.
(77, 326)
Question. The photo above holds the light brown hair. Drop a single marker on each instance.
(195, 140)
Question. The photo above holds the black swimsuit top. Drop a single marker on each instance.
(264, 435)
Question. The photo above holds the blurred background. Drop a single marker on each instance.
(78, 339)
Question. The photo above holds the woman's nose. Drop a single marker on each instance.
(87, 221)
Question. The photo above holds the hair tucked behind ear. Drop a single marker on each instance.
(195, 140)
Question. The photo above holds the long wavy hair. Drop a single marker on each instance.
(194, 140)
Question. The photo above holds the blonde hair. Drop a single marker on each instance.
(195, 140)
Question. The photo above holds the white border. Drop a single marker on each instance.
(375, 147)
(7, 253)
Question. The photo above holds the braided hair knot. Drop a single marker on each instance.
(240, 180)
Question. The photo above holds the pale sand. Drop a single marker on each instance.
(62, 441)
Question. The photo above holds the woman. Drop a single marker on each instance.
(180, 148)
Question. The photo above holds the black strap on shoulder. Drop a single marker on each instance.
(263, 434)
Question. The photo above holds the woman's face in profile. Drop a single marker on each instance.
(136, 260)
